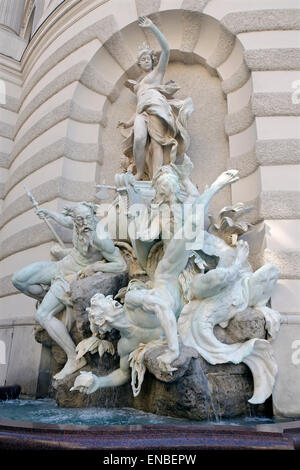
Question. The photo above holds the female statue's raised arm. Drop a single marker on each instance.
(161, 67)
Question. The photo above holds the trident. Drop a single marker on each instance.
(35, 204)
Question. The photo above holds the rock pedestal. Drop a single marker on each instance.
(197, 390)
(203, 392)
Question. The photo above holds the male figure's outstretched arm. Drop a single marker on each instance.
(114, 379)
(64, 220)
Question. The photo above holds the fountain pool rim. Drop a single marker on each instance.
(23, 435)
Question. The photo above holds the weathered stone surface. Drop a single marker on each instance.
(237, 79)
(182, 363)
(188, 397)
(278, 151)
(288, 261)
(273, 59)
(205, 392)
(224, 48)
(239, 121)
(266, 20)
(246, 163)
(199, 390)
(274, 104)
(59, 354)
(280, 205)
(41, 336)
(194, 5)
(246, 325)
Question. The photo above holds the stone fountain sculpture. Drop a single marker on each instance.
(214, 298)
(191, 280)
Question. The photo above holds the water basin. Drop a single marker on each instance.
(47, 411)
(42, 424)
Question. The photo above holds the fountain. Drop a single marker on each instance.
(156, 308)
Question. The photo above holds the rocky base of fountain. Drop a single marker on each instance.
(204, 392)
(196, 390)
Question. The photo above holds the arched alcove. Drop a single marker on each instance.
(208, 149)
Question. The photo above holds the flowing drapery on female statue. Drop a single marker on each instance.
(158, 129)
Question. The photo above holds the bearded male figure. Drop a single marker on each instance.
(93, 251)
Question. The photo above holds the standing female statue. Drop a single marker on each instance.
(158, 128)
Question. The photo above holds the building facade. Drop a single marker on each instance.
(63, 65)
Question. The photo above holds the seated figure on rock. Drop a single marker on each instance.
(157, 308)
(49, 281)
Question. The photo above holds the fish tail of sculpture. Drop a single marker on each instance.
(255, 353)
(264, 369)
(199, 335)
